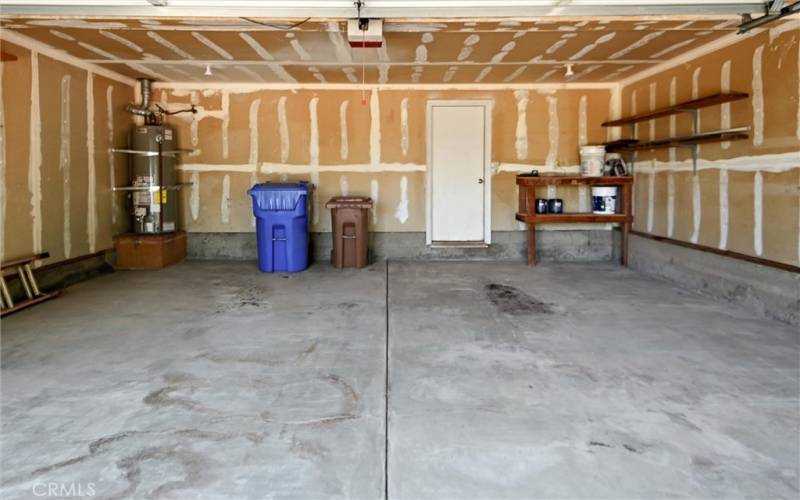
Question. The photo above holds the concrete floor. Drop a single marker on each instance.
(209, 380)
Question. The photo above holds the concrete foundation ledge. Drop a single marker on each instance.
(767, 291)
(552, 246)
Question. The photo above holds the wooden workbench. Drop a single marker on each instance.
(527, 207)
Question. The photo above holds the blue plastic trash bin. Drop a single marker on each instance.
(281, 225)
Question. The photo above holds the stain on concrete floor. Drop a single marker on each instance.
(510, 300)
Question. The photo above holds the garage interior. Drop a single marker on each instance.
(488, 350)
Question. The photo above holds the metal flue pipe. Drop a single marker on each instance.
(143, 109)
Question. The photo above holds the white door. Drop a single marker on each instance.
(458, 195)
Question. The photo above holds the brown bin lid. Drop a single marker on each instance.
(349, 202)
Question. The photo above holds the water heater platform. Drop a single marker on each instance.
(149, 251)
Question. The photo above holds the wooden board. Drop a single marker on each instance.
(139, 251)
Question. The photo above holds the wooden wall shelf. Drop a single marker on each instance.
(703, 102)
(527, 206)
(737, 134)
(693, 141)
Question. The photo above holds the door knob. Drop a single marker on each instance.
(480, 181)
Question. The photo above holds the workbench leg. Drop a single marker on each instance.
(626, 228)
(531, 245)
(627, 209)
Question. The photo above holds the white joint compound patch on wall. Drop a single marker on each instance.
(225, 202)
(696, 95)
(283, 127)
(374, 193)
(552, 130)
(91, 216)
(404, 126)
(374, 128)
(758, 97)
(35, 157)
(697, 209)
(521, 135)
(226, 121)
(583, 134)
(313, 142)
(253, 123)
(634, 111)
(652, 104)
(673, 119)
(583, 198)
(194, 196)
(315, 205)
(401, 213)
(670, 205)
(724, 218)
(344, 147)
(758, 216)
(725, 108)
(64, 162)
(112, 173)
(344, 185)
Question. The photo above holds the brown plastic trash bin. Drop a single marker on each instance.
(350, 218)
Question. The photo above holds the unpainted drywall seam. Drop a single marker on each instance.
(758, 226)
(552, 130)
(521, 135)
(758, 97)
(374, 129)
(723, 209)
(112, 174)
(696, 208)
(64, 162)
(91, 216)
(35, 157)
(283, 127)
(344, 146)
(404, 126)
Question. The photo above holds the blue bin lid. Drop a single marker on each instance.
(278, 196)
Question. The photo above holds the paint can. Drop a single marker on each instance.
(593, 159)
(555, 205)
(604, 200)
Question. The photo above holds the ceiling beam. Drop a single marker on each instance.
(454, 9)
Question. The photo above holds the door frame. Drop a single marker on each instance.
(488, 106)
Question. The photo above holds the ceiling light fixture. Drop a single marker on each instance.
(569, 73)
(208, 70)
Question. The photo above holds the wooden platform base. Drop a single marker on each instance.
(139, 251)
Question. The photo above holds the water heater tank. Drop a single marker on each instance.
(154, 210)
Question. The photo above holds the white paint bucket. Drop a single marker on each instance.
(593, 159)
(604, 200)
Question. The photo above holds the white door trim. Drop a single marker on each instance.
(488, 106)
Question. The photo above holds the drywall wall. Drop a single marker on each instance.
(58, 123)
(248, 135)
(746, 194)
